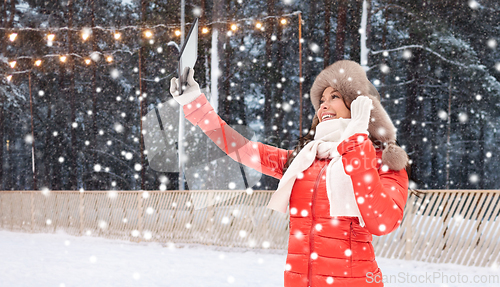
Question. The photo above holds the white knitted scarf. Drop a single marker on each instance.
(338, 184)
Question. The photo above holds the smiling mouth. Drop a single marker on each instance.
(327, 117)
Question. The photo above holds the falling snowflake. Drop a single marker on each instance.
(384, 68)
(95, 56)
(473, 178)
(463, 117)
(137, 166)
(473, 4)
(443, 115)
(381, 227)
(28, 139)
(407, 54)
(314, 47)
(115, 73)
(103, 224)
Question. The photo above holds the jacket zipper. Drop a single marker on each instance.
(313, 224)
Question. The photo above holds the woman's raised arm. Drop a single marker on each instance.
(263, 158)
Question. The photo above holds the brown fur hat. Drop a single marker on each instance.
(349, 78)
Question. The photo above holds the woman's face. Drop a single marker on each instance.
(332, 106)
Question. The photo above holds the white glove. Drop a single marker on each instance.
(191, 90)
(360, 117)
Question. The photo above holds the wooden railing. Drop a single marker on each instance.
(442, 226)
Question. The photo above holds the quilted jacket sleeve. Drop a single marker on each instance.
(263, 158)
(381, 194)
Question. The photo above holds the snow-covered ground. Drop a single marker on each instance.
(58, 260)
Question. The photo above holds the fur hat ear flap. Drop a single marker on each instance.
(394, 157)
(381, 127)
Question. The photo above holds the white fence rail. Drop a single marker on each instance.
(442, 226)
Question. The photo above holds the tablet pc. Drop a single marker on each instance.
(189, 53)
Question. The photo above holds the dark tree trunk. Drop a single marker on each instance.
(328, 27)
(93, 131)
(219, 14)
(354, 26)
(143, 89)
(72, 157)
(341, 27)
(411, 132)
(270, 71)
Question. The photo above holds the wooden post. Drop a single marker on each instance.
(32, 211)
(81, 213)
(409, 231)
(139, 214)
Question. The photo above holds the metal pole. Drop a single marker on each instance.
(300, 73)
(180, 141)
(32, 136)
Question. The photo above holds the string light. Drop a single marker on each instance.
(86, 32)
(148, 34)
(9, 78)
(88, 61)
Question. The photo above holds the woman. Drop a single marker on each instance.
(343, 183)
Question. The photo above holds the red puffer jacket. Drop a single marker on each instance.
(322, 251)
